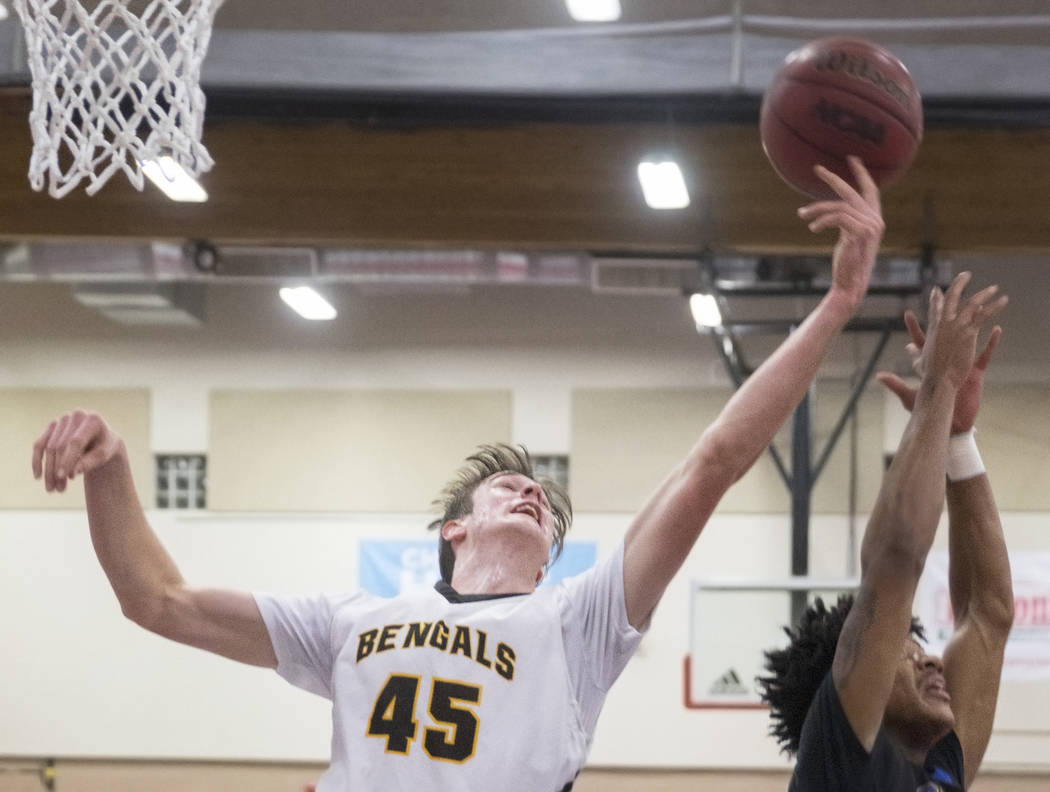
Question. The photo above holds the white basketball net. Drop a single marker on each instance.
(113, 87)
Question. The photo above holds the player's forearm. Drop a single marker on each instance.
(904, 520)
(751, 418)
(137, 565)
(665, 530)
(979, 574)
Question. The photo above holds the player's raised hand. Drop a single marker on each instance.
(948, 349)
(967, 400)
(73, 444)
(858, 217)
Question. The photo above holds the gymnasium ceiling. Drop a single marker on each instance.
(505, 123)
(505, 127)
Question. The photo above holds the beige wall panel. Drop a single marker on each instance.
(624, 442)
(831, 495)
(25, 414)
(1013, 431)
(316, 451)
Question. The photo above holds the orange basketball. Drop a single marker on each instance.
(835, 97)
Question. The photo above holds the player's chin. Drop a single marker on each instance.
(536, 536)
(941, 716)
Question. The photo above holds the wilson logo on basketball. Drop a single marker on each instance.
(863, 69)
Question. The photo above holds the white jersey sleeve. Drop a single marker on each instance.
(597, 637)
(301, 631)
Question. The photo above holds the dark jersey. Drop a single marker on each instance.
(831, 758)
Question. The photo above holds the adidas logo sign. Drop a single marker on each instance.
(728, 684)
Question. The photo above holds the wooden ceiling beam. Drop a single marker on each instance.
(535, 186)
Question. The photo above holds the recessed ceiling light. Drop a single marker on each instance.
(663, 185)
(704, 308)
(308, 303)
(594, 10)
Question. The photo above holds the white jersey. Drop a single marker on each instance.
(430, 693)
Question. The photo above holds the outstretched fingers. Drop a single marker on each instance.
(954, 294)
(984, 306)
(899, 387)
(918, 337)
(936, 306)
(869, 190)
(837, 215)
(866, 198)
(986, 356)
(864, 204)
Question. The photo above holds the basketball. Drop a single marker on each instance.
(835, 97)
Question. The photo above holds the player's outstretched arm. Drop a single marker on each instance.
(666, 528)
(146, 581)
(904, 520)
(982, 599)
(979, 572)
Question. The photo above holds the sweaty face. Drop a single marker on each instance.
(919, 706)
(511, 501)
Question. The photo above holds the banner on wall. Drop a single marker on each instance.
(1028, 649)
(388, 567)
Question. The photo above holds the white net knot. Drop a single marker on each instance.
(114, 86)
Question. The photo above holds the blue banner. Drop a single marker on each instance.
(388, 567)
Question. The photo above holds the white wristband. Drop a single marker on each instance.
(964, 460)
